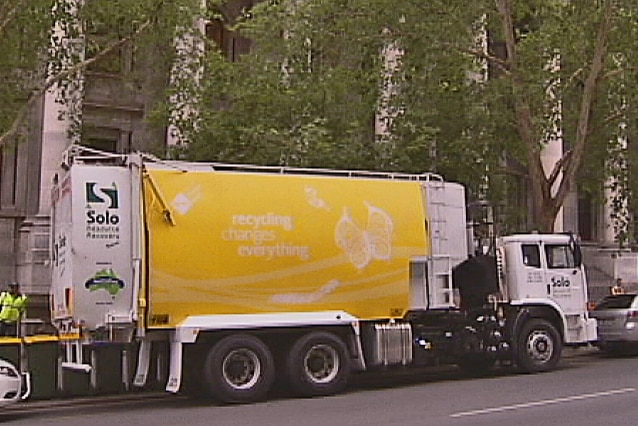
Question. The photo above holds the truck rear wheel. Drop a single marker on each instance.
(539, 346)
(318, 364)
(239, 369)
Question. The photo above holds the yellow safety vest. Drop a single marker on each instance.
(12, 306)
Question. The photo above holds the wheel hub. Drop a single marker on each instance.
(241, 369)
(321, 363)
(540, 346)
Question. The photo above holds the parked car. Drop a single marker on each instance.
(11, 384)
(617, 317)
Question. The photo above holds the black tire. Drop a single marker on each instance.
(539, 346)
(239, 369)
(317, 365)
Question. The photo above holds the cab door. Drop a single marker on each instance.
(564, 277)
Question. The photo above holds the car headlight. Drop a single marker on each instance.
(7, 371)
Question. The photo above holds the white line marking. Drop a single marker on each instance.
(544, 402)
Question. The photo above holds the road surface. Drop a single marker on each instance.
(586, 390)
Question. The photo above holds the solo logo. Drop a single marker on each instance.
(102, 195)
(560, 282)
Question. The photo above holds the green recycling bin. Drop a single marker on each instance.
(108, 368)
(76, 382)
(42, 361)
(10, 350)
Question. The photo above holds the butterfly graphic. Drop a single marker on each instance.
(313, 198)
(362, 245)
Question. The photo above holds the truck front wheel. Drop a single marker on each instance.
(539, 346)
(318, 364)
(239, 369)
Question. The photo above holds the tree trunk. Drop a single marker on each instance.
(546, 204)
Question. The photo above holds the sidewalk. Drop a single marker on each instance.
(572, 351)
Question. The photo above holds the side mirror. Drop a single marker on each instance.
(578, 254)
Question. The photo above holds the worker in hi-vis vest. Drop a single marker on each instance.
(13, 305)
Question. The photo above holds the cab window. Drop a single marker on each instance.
(531, 255)
(559, 256)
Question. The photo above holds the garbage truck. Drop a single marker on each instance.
(255, 274)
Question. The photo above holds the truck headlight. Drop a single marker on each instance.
(8, 371)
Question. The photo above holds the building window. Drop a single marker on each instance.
(99, 37)
(9, 177)
(586, 218)
(230, 43)
(108, 139)
(108, 145)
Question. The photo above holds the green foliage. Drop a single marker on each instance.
(317, 78)
(24, 35)
(304, 97)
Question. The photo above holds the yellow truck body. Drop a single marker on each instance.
(250, 243)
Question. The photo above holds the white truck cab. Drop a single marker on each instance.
(546, 270)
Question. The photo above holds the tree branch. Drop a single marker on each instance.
(589, 97)
(560, 165)
(618, 71)
(9, 16)
(500, 63)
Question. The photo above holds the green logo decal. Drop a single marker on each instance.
(105, 279)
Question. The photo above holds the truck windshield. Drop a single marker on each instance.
(559, 256)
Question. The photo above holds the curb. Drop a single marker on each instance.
(80, 401)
